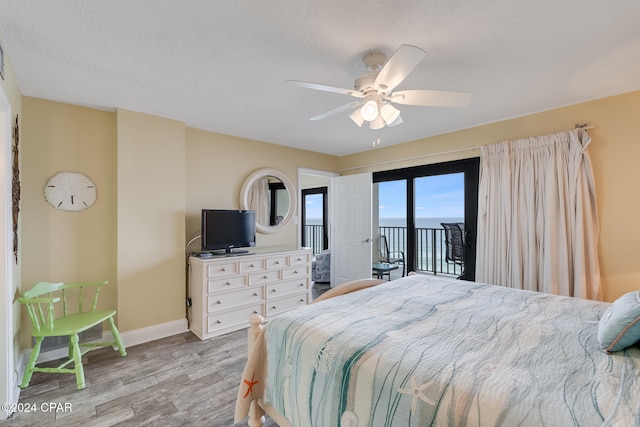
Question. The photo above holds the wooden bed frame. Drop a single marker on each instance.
(258, 408)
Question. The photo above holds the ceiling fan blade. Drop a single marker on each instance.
(346, 107)
(398, 67)
(326, 88)
(431, 98)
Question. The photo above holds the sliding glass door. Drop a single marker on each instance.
(439, 199)
(414, 203)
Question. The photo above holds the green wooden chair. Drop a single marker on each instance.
(41, 302)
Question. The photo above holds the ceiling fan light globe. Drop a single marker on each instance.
(369, 110)
(396, 122)
(357, 117)
(389, 113)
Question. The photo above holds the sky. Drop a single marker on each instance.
(438, 196)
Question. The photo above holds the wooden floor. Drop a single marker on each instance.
(175, 381)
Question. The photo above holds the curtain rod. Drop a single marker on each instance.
(475, 147)
(584, 126)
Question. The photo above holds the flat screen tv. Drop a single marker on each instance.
(227, 230)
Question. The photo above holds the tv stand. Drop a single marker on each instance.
(225, 290)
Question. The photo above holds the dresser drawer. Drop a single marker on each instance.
(293, 272)
(252, 265)
(233, 318)
(226, 300)
(216, 285)
(276, 262)
(286, 304)
(280, 289)
(222, 269)
(264, 277)
(299, 259)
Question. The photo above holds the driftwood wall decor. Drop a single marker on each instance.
(15, 188)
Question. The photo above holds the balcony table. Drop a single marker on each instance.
(382, 268)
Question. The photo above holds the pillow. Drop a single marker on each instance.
(619, 327)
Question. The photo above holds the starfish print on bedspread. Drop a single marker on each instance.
(417, 392)
(250, 385)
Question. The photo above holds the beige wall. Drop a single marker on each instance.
(151, 220)
(68, 246)
(218, 165)
(614, 152)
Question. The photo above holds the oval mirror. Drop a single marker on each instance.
(270, 193)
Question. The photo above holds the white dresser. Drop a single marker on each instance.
(225, 291)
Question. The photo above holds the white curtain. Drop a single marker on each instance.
(259, 200)
(537, 221)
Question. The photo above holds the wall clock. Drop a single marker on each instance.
(70, 191)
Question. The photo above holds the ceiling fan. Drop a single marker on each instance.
(375, 90)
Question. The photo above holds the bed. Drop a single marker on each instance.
(425, 350)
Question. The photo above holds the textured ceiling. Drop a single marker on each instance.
(221, 65)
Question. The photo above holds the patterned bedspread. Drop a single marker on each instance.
(428, 351)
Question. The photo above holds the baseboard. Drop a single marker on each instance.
(129, 339)
(150, 333)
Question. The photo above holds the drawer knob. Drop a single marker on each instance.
(252, 265)
(255, 294)
(295, 271)
(277, 262)
(218, 302)
(302, 285)
(227, 284)
(255, 311)
(265, 277)
(301, 299)
(273, 308)
(218, 322)
(223, 269)
(273, 290)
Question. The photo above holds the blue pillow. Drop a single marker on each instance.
(620, 325)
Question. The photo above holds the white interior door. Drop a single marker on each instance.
(350, 239)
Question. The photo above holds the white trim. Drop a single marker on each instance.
(7, 385)
(317, 172)
(129, 339)
(151, 333)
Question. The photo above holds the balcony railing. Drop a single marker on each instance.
(430, 247)
(313, 238)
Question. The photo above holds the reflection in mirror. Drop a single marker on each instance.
(269, 197)
(272, 195)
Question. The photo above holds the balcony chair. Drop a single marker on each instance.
(454, 243)
(41, 304)
(385, 255)
(321, 267)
